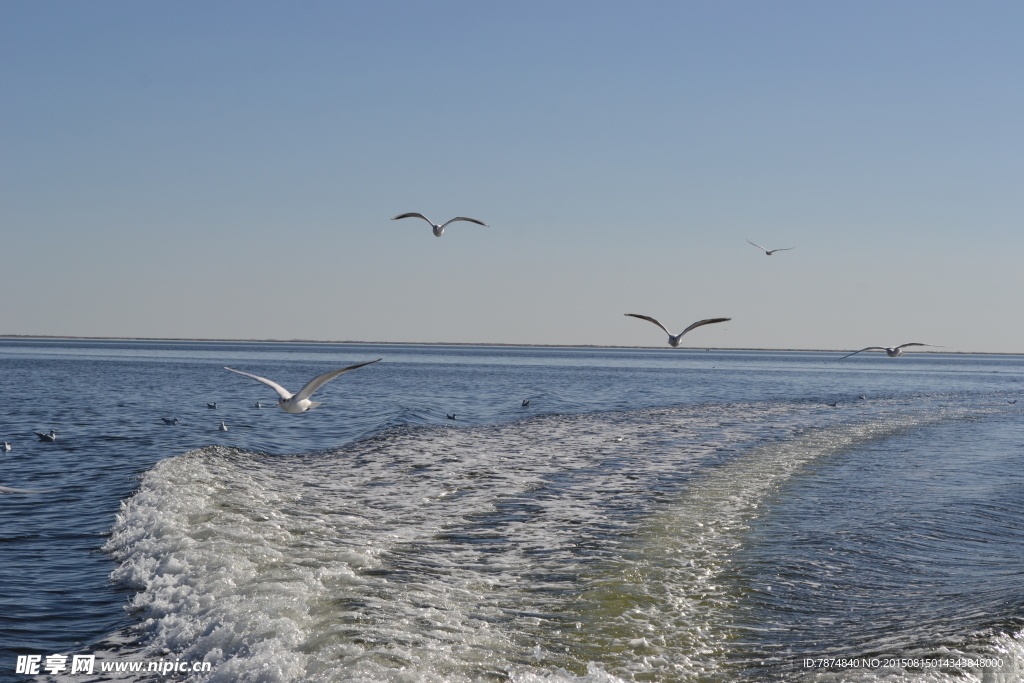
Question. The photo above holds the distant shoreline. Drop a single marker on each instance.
(498, 344)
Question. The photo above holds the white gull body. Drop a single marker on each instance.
(300, 403)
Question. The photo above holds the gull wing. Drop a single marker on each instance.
(866, 348)
(320, 380)
(697, 324)
(903, 346)
(281, 391)
(415, 215)
(471, 220)
(9, 489)
(786, 249)
(650, 319)
(758, 246)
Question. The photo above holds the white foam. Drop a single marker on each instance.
(560, 548)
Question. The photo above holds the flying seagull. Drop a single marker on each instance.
(43, 436)
(300, 403)
(439, 229)
(673, 340)
(767, 252)
(892, 352)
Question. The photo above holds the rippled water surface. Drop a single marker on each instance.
(652, 515)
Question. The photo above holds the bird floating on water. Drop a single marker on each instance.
(439, 229)
(450, 416)
(43, 436)
(526, 403)
(169, 421)
(223, 427)
(673, 340)
(891, 352)
(768, 252)
(1013, 402)
(6, 447)
(211, 406)
(832, 404)
(300, 403)
(258, 404)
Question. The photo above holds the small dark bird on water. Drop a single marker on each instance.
(258, 404)
(1011, 402)
(832, 404)
(211, 406)
(169, 421)
(451, 416)
(526, 403)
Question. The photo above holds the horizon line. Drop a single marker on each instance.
(399, 343)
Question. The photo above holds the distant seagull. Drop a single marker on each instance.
(169, 421)
(767, 252)
(832, 403)
(300, 403)
(211, 406)
(8, 489)
(439, 229)
(892, 352)
(526, 403)
(223, 427)
(451, 416)
(673, 340)
(43, 436)
(6, 447)
(1014, 401)
(862, 397)
(258, 405)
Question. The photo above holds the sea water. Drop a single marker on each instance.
(652, 515)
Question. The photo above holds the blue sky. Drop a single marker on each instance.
(228, 170)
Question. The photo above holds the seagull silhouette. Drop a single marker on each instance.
(439, 229)
(450, 416)
(300, 403)
(169, 421)
(767, 252)
(891, 352)
(673, 340)
(526, 403)
(43, 436)
(211, 406)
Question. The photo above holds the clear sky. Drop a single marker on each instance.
(229, 169)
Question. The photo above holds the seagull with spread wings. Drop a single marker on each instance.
(891, 352)
(300, 403)
(770, 252)
(673, 339)
(439, 229)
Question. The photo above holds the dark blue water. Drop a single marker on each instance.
(896, 528)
